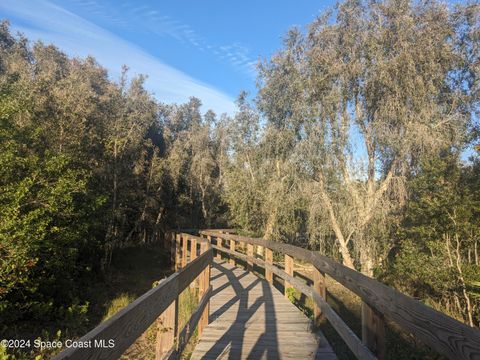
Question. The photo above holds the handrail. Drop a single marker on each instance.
(111, 338)
(442, 333)
(346, 333)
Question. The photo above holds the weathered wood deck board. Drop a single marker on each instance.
(250, 319)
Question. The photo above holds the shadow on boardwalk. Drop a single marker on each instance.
(250, 319)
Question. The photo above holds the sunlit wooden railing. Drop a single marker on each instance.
(442, 333)
(114, 336)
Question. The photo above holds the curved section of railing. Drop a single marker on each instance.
(442, 333)
(111, 338)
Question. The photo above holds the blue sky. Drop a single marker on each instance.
(205, 48)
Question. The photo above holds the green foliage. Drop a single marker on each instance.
(87, 166)
(291, 295)
(437, 257)
(41, 229)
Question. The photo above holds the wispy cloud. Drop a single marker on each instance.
(145, 18)
(43, 20)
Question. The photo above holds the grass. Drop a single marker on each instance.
(188, 302)
(144, 346)
(117, 304)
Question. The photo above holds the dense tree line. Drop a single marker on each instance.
(352, 147)
(89, 165)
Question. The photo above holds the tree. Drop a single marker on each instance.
(243, 181)
(437, 258)
(383, 76)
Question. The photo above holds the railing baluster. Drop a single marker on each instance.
(204, 284)
(219, 243)
(178, 244)
(184, 250)
(289, 271)
(232, 248)
(167, 330)
(269, 260)
(172, 248)
(193, 249)
(206, 312)
(320, 287)
(193, 256)
(373, 330)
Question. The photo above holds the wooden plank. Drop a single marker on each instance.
(167, 329)
(319, 285)
(205, 316)
(373, 331)
(173, 249)
(200, 239)
(201, 292)
(252, 320)
(442, 333)
(178, 249)
(129, 323)
(289, 271)
(352, 341)
(269, 260)
(232, 248)
(193, 249)
(184, 250)
(219, 243)
(194, 269)
(202, 288)
(193, 256)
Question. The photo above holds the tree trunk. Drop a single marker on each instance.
(462, 281)
(343, 245)
(270, 225)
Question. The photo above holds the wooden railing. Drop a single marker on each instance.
(111, 338)
(442, 333)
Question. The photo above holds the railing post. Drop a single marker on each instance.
(167, 330)
(232, 248)
(320, 287)
(219, 244)
(206, 312)
(289, 271)
(193, 249)
(178, 244)
(172, 248)
(204, 284)
(193, 256)
(184, 250)
(250, 254)
(269, 260)
(373, 330)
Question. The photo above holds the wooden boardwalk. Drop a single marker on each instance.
(250, 319)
